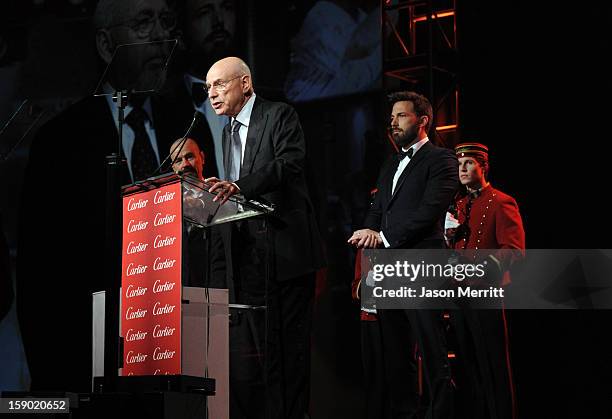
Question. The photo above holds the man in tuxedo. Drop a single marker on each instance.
(62, 231)
(414, 190)
(264, 151)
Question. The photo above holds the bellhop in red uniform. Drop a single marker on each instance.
(493, 219)
(490, 219)
(484, 218)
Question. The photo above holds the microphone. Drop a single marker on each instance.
(196, 116)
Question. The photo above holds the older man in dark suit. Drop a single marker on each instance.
(264, 150)
(414, 188)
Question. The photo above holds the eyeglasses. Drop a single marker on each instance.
(219, 85)
(143, 25)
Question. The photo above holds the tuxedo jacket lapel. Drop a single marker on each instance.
(388, 182)
(418, 157)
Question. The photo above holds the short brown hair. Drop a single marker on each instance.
(421, 105)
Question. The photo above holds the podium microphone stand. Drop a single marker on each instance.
(121, 84)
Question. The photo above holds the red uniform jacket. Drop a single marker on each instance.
(494, 222)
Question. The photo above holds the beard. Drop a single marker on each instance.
(213, 48)
(405, 138)
(218, 42)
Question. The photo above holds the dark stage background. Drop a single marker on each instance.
(533, 84)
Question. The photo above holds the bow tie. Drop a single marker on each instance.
(401, 154)
(198, 94)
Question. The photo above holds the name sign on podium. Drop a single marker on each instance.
(151, 281)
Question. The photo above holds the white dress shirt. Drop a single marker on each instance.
(400, 169)
(244, 117)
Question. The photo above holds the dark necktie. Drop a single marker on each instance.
(144, 161)
(198, 94)
(235, 156)
(401, 154)
(474, 194)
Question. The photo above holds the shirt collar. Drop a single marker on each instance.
(244, 116)
(476, 193)
(416, 146)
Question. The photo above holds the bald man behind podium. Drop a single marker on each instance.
(263, 157)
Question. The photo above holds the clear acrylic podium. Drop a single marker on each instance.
(167, 328)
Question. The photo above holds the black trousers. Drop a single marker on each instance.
(406, 335)
(270, 354)
(269, 349)
(376, 391)
(485, 388)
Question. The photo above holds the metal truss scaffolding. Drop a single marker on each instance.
(420, 54)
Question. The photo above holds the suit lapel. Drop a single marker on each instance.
(257, 124)
(418, 157)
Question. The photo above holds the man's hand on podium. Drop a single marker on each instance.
(224, 188)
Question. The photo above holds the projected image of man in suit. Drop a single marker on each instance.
(137, 67)
(209, 31)
(58, 277)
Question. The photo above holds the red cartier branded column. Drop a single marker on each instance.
(151, 282)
